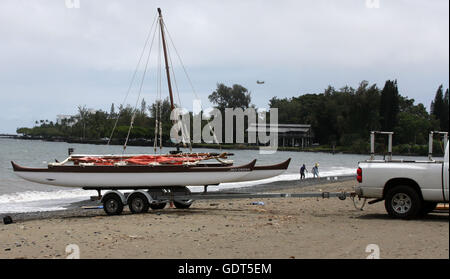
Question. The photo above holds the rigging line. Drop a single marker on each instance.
(190, 82)
(160, 127)
(158, 94)
(160, 91)
(183, 127)
(139, 94)
(156, 128)
(133, 78)
(181, 62)
(174, 78)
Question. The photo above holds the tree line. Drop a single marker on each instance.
(341, 117)
(346, 116)
(99, 124)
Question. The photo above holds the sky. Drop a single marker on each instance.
(56, 55)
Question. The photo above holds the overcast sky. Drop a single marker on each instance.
(55, 56)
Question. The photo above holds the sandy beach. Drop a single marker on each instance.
(301, 228)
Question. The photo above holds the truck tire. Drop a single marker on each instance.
(112, 204)
(428, 207)
(138, 203)
(403, 202)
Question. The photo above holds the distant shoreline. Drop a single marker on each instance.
(147, 143)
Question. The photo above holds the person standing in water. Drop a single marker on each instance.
(302, 172)
(315, 170)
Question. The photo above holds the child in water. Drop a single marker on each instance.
(315, 170)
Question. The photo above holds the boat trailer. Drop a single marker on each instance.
(141, 198)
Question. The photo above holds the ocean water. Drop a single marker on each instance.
(18, 195)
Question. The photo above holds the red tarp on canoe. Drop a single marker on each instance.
(140, 160)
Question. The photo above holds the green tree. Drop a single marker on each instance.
(165, 108)
(439, 108)
(445, 112)
(236, 96)
(112, 111)
(389, 105)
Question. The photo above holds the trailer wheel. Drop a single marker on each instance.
(112, 204)
(403, 202)
(183, 204)
(156, 206)
(138, 203)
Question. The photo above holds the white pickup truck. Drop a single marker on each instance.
(409, 188)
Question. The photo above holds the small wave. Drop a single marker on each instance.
(29, 196)
(25, 208)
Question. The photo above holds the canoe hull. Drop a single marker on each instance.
(264, 172)
(130, 179)
(146, 176)
(132, 176)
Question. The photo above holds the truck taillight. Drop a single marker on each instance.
(359, 175)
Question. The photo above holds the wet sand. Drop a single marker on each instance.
(281, 228)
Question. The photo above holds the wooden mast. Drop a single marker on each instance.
(161, 24)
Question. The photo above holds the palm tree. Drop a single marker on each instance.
(83, 112)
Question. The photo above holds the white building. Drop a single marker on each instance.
(299, 135)
(71, 119)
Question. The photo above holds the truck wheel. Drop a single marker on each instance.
(155, 206)
(403, 202)
(138, 203)
(428, 207)
(112, 205)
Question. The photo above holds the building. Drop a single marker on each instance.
(293, 135)
(66, 119)
(70, 120)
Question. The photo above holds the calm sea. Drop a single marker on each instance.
(18, 195)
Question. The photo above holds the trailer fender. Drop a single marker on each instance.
(117, 193)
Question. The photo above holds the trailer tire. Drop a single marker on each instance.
(112, 204)
(182, 205)
(138, 203)
(403, 202)
(156, 206)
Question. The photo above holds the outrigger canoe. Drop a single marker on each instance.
(134, 175)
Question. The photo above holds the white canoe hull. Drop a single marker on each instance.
(130, 179)
(106, 177)
(259, 175)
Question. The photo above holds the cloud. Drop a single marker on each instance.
(67, 56)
